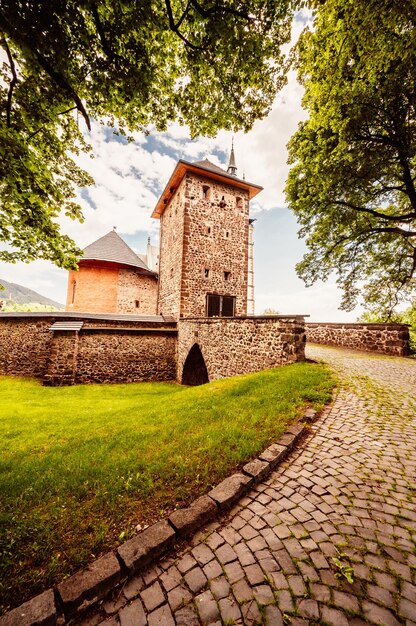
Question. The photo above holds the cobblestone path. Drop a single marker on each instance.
(347, 493)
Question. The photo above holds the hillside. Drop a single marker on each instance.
(24, 295)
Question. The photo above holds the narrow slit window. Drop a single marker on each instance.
(74, 288)
(137, 304)
(227, 275)
(206, 273)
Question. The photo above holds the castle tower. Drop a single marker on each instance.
(204, 241)
(112, 278)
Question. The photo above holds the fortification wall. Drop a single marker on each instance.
(392, 339)
(104, 350)
(242, 345)
(25, 344)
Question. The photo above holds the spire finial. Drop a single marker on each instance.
(232, 168)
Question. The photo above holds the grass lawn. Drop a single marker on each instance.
(81, 466)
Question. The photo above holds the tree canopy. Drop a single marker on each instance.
(127, 63)
(352, 180)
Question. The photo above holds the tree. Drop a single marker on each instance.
(352, 180)
(124, 63)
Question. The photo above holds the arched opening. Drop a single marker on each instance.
(194, 369)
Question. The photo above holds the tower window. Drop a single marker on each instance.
(220, 306)
(223, 203)
(171, 272)
(227, 275)
(74, 287)
(208, 230)
(239, 202)
(206, 192)
(137, 304)
(206, 273)
(227, 234)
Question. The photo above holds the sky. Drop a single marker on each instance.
(129, 177)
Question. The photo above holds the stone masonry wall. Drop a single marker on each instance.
(103, 351)
(390, 339)
(24, 345)
(215, 241)
(170, 259)
(125, 357)
(137, 293)
(233, 346)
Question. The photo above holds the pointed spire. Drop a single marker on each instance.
(232, 168)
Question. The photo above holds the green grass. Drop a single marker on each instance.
(81, 466)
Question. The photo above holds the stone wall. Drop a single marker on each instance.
(215, 243)
(390, 339)
(126, 356)
(25, 343)
(170, 259)
(241, 345)
(105, 350)
(137, 293)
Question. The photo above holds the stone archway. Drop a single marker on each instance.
(194, 369)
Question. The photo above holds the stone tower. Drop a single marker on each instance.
(204, 241)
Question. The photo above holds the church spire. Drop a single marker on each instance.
(232, 168)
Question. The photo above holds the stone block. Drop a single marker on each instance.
(258, 469)
(274, 454)
(296, 429)
(187, 520)
(90, 584)
(310, 415)
(230, 489)
(288, 440)
(149, 544)
(39, 611)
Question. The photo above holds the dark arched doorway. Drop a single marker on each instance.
(194, 369)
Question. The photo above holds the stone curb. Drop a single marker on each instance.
(91, 584)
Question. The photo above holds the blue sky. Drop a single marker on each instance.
(130, 176)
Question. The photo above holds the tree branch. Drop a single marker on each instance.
(100, 30)
(61, 82)
(393, 218)
(58, 114)
(12, 82)
(175, 28)
(219, 9)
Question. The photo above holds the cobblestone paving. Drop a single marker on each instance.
(347, 493)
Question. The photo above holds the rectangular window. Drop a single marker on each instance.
(206, 192)
(227, 275)
(206, 273)
(74, 287)
(220, 306)
(227, 308)
(137, 304)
